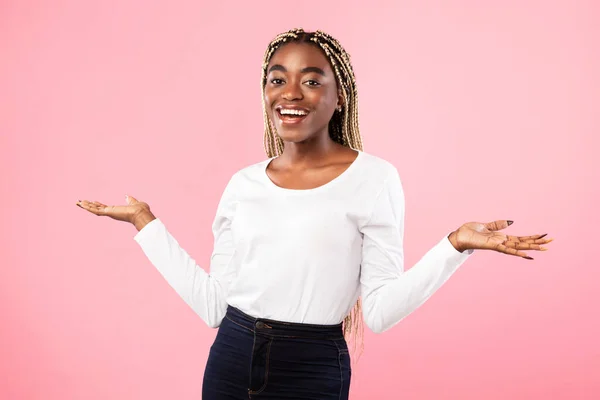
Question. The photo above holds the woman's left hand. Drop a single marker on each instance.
(485, 236)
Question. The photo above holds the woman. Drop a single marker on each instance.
(300, 236)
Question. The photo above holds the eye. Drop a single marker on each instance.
(276, 81)
(312, 83)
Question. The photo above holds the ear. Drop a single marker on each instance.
(341, 102)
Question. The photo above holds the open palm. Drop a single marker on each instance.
(478, 235)
(126, 213)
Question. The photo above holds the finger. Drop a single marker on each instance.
(529, 239)
(508, 250)
(131, 199)
(522, 238)
(88, 206)
(84, 203)
(524, 246)
(94, 207)
(538, 241)
(498, 224)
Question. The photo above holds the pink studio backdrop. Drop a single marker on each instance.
(488, 109)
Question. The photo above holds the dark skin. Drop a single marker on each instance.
(300, 76)
(310, 157)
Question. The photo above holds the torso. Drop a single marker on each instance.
(297, 235)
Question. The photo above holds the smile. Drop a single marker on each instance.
(288, 115)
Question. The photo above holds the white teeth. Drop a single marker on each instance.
(284, 111)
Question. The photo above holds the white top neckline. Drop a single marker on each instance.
(332, 182)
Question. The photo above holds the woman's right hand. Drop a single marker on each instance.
(133, 212)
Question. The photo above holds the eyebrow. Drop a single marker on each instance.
(279, 67)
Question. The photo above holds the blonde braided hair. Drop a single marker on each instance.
(343, 126)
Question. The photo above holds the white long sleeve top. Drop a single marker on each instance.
(306, 255)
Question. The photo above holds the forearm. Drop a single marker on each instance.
(397, 297)
(201, 291)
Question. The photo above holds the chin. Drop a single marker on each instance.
(293, 135)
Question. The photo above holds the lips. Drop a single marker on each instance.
(291, 114)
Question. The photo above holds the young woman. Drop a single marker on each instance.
(299, 237)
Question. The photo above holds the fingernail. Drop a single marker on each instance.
(544, 235)
(529, 258)
(543, 248)
(126, 198)
(510, 222)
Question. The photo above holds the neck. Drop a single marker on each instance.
(308, 152)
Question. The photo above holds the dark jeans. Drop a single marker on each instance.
(255, 358)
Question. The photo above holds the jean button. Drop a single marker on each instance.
(260, 325)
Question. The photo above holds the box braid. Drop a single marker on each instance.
(343, 126)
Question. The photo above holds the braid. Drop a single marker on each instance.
(343, 126)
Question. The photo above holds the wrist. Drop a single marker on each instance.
(453, 238)
(142, 219)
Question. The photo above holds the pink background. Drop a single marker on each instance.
(488, 109)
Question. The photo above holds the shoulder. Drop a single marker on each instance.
(377, 168)
(376, 163)
(242, 181)
(248, 174)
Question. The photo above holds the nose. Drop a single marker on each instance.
(292, 91)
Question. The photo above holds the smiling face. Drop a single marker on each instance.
(301, 92)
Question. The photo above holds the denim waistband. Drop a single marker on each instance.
(275, 328)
